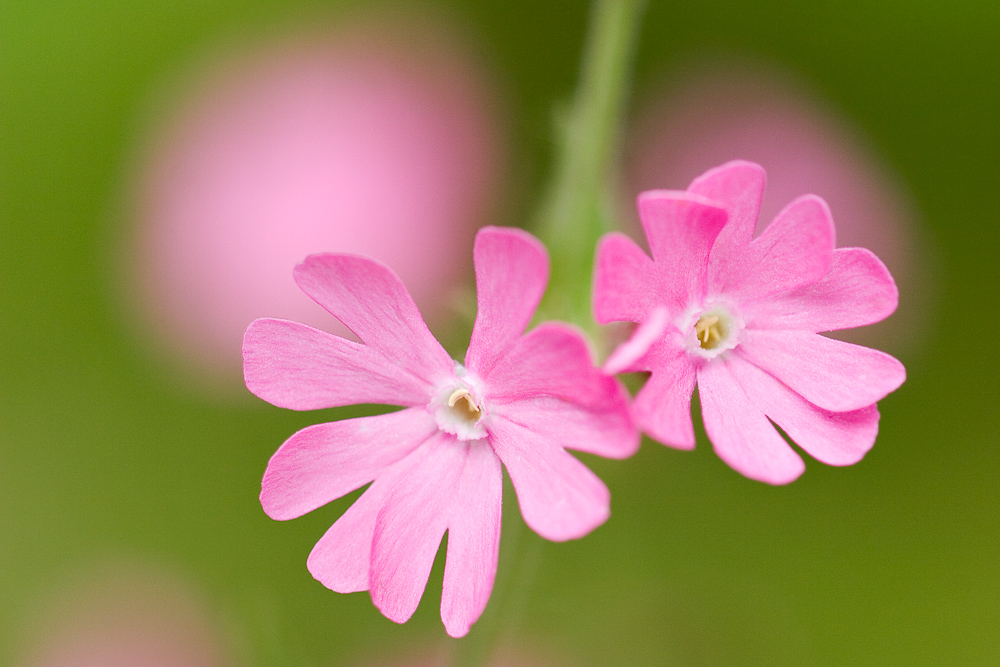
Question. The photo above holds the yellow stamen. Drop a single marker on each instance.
(470, 403)
(709, 331)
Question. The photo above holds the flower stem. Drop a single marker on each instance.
(579, 206)
(576, 211)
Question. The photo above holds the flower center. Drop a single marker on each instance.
(463, 406)
(459, 408)
(712, 329)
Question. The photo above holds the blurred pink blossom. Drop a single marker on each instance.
(715, 114)
(441, 658)
(373, 139)
(130, 618)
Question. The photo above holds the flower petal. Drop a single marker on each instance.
(341, 560)
(321, 463)
(795, 250)
(830, 374)
(512, 270)
(560, 498)
(626, 284)
(295, 366)
(642, 339)
(603, 429)
(372, 302)
(857, 291)
(410, 526)
(835, 438)
(740, 433)
(473, 540)
(662, 408)
(681, 228)
(739, 186)
(553, 359)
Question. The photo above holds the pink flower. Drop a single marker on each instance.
(740, 317)
(290, 147)
(519, 400)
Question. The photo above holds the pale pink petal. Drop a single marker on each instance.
(604, 429)
(473, 540)
(373, 303)
(410, 526)
(662, 408)
(830, 374)
(638, 344)
(295, 366)
(739, 187)
(626, 284)
(681, 228)
(795, 250)
(835, 438)
(560, 498)
(857, 291)
(740, 433)
(341, 560)
(553, 359)
(512, 270)
(549, 384)
(321, 463)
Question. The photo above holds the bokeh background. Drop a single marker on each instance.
(163, 166)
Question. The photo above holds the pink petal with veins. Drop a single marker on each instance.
(295, 366)
(373, 303)
(512, 270)
(858, 290)
(795, 250)
(662, 408)
(626, 284)
(681, 228)
(341, 560)
(323, 462)
(604, 429)
(830, 374)
(473, 540)
(740, 433)
(739, 187)
(834, 438)
(410, 525)
(552, 359)
(560, 498)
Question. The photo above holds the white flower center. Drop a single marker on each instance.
(459, 409)
(712, 329)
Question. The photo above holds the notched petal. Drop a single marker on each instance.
(512, 270)
(294, 366)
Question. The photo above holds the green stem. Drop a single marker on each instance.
(579, 205)
(576, 211)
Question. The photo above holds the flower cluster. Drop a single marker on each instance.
(738, 317)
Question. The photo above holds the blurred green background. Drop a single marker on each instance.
(108, 456)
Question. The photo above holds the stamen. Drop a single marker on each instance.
(470, 402)
(710, 331)
(705, 327)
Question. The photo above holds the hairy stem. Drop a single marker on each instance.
(579, 206)
(576, 211)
